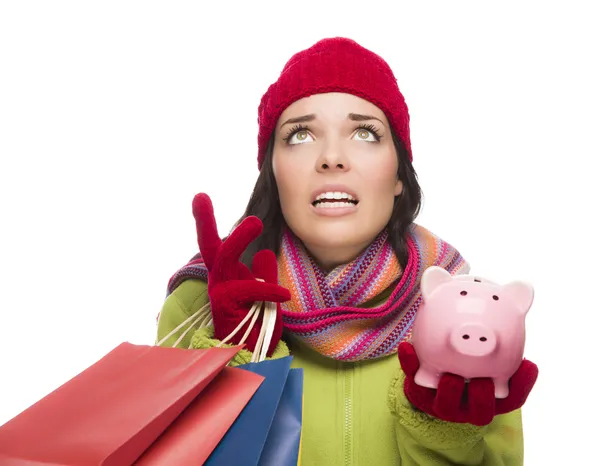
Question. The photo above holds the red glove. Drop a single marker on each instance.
(232, 287)
(451, 402)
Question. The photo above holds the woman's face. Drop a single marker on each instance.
(336, 168)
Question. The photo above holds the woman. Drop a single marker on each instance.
(329, 232)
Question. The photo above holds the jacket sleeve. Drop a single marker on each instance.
(424, 440)
(179, 306)
(189, 297)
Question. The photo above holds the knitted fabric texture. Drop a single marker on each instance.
(325, 310)
(334, 65)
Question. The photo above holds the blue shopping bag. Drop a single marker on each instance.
(282, 447)
(243, 443)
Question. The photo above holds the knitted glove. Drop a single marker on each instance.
(232, 287)
(452, 402)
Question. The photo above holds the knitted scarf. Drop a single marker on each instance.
(331, 313)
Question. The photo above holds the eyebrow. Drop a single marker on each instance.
(300, 119)
(312, 116)
(360, 117)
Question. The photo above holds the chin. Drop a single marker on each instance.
(336, 235)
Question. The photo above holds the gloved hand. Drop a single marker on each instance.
(232, 287)
(477, 404)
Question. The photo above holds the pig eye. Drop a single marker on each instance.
(463, 293)
(496, 298)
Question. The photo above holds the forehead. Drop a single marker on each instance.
(332, 105)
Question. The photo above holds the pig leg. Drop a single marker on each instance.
(501, 386)
(427, 377)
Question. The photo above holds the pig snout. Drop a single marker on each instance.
(473, 340)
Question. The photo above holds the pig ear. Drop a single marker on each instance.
(432, 278)
(521, 293)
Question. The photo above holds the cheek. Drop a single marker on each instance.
(286, 172)
(381, 178)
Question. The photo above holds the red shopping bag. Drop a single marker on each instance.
(113, 411)
(199, 429)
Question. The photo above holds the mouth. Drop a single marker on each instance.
(334, 200)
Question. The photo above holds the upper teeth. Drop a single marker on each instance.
(334, 195)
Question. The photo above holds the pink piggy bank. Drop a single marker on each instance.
(470, 327)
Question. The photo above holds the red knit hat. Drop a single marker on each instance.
(334, 65)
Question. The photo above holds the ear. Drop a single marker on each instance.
(521, 293)
(432, 278)
(399, 188)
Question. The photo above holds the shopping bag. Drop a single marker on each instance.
(282, 447)
(197, 431)
(243, 443)
(110, 413)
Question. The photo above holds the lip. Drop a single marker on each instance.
(334, 211)
(326, 188)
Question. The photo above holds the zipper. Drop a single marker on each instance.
(348, 396)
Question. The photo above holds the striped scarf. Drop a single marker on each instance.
(330, 311)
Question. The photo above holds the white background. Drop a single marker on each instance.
(114, 114)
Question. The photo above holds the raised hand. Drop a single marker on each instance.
(232, 286)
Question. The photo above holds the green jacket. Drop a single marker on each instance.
(357, 413)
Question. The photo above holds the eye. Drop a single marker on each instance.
(463, 293)
(299, 137)
(367, 133)
(496, 298)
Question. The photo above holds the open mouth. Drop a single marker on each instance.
(334, 200)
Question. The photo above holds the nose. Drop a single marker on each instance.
(332, 159)
(473, 340)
